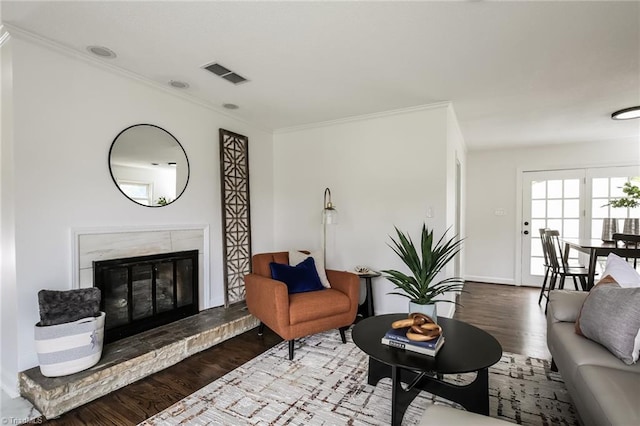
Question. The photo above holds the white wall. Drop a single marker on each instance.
(492, 183)
(8, 296)
(66, 114)
(382, 171)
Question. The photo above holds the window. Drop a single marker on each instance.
(139, 192)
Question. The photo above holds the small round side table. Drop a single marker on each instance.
(366, 309)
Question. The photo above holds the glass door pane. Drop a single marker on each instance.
(605, 185)
(184, 275)
(115, 295)
(141, 283)
(164, 286)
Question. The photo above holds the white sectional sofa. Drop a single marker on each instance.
(604, 389)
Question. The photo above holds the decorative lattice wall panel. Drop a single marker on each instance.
(236, 217)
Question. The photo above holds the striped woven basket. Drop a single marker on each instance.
(71, 347)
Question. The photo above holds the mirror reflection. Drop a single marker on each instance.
(149, 165)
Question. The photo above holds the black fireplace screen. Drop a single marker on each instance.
(140, 293)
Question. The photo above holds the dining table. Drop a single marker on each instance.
(595, 249)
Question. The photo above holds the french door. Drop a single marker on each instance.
(574, 202)
(551, 199)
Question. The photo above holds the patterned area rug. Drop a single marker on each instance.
(326, 384)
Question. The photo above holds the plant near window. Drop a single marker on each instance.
(631, 200)
(424, 262)
(163, 201)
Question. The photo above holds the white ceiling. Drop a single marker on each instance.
(517, 73)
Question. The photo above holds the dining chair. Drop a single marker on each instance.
(546, 265)
(629, 241)
(560, 269)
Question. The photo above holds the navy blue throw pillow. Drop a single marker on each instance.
(300, 278)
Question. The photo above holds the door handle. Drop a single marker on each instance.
(526, 232)
(526, 224)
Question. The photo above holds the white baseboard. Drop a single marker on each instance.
(492, 280)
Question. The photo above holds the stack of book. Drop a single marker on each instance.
(397, 338)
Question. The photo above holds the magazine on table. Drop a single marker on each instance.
(397, 338)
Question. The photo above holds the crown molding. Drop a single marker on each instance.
(12, 30)
(364, 117)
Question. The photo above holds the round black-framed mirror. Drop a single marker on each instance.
(148, 165)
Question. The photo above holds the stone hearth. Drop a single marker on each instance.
(132, 358)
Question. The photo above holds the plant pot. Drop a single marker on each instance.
(429, 310)
(631, 226)
(70, 347)
(609, 227)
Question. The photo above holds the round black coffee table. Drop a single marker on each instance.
(466, 349)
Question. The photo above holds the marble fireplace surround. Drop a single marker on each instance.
(114, 243)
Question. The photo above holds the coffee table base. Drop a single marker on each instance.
(473, 397)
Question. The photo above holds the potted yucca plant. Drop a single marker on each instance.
(424, 263)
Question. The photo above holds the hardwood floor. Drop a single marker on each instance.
(511, 314)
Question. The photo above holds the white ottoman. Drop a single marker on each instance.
(441, 415)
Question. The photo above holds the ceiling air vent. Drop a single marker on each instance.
(225, 73)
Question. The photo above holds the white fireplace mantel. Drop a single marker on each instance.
(91, 244)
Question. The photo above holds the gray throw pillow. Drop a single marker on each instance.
(611, 316)
(59, 307)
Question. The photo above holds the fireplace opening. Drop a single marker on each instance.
(144, 292)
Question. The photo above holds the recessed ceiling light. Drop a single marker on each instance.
(172, 163)
(627, 113)
(155, 164)
(230, 106)
(101, 51)
(178, 84)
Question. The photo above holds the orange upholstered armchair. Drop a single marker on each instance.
(293, 316)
